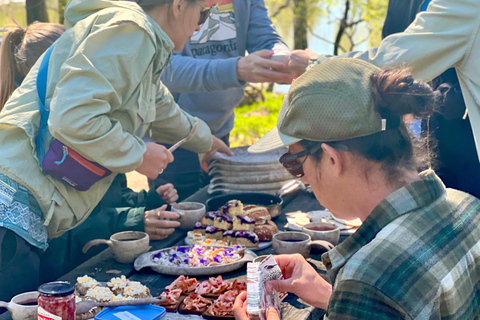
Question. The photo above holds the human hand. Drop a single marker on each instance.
(217, 146)
(298, 61)
(257, 68)
(157, 223)
(155, 159)
(168, 193)
(301, 279)
(240, 309)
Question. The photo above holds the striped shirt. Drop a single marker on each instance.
(416, 256)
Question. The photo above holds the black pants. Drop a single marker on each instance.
(19, 265)
(184, 173)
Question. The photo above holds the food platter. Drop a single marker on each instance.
(296, 221)
(147, 260)
(261, 245)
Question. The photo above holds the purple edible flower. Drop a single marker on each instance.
(217, 258)
(203, 261)
(182, 249)
(186, 261)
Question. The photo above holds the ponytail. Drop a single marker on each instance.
(20, 50)
(8, 65)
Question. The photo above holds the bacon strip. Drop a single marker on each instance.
(195, 302)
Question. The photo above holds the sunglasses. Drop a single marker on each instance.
(294, 167)
(204, 14)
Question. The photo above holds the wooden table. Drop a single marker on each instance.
(103, 267)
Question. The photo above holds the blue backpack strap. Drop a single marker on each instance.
(42, 91)
(425, 5)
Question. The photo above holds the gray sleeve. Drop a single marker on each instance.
(261, 31)
(189, 75)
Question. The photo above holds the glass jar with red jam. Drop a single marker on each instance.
(56, 301)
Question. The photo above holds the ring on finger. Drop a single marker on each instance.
(159, 214)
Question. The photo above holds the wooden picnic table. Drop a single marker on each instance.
(103, 266)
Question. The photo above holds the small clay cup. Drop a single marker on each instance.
(126, 246)
(18, 307)
(190, 213)
(322, 231)
(297, 242)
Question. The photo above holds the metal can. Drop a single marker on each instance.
(56, 301)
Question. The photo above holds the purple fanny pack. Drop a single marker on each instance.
(61, 161)
(71, 168)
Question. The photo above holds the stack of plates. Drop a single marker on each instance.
(246, 172)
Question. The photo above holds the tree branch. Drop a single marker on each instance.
(286, 5)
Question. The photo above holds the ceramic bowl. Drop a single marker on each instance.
(190, 213)
(322, 231)
(290, 242)
(23, 306)
(126, 246)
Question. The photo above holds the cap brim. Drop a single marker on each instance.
(273, 140)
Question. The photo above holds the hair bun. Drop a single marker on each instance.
(396, 93)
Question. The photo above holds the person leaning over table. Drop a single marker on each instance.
(416, 254)
(207, 77)
(446, 35)
(121, 208)
(104, 94)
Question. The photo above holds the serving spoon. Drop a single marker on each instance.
(184, 140)
(85, 305)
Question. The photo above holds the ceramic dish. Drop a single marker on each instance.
(259, 177)
(242, 156)
(296, 221)
(227, 170)
(146, 260)
(251, 187)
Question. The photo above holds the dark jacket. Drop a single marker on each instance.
(121, 209)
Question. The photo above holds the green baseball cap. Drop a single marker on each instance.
(332, 101)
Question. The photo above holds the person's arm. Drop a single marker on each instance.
(301, 279)
(438, 39)
(98, 77)
(352, 300)
(261, 31)
(201, 75)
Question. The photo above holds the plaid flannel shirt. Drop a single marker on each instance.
(417, 256)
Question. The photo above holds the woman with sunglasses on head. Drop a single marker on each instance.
(416, 254)
(104, 93)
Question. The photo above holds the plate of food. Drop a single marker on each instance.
(195, 260)
(296, 220)
(118, 291)
(211, 298)
(234, 224)
(192, 238)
